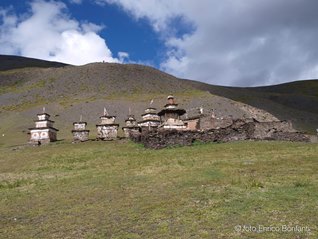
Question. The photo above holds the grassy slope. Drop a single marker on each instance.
(121, 190)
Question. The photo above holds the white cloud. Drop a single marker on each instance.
(48, 32)
(76, 1)
(158, 12)
(234, 42)
(123, 56)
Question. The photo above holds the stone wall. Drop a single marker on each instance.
(238, 130)
(208, 122)
(263, 130)
(192, 124)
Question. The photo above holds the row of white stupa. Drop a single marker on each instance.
(167, 118)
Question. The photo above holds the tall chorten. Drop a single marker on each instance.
(170, 115)
(107, 129)
(44, 132)
(150, 118)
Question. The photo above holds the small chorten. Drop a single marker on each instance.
(44, 132)
(170, 115)
(150, 118)
(107, 129)
(131, 125)
(80, 133)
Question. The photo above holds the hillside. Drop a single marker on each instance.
(70, 91)
(295, 100)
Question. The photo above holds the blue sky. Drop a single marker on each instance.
(228, 42)
(122, 32)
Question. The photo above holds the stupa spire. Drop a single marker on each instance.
(105, 111)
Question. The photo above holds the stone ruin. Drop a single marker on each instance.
(238, 130)
(175, 130)
(44, 132)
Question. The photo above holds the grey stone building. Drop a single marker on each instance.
(43, 132)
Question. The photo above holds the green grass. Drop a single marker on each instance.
(122, 190)
(19, 87)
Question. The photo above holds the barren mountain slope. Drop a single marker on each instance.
(70, 91)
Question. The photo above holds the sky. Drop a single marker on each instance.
(228, 42)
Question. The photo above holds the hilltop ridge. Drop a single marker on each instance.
(9, 62)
